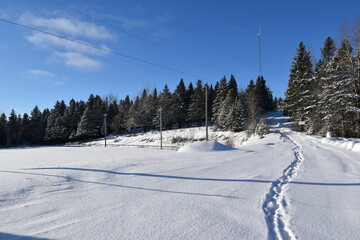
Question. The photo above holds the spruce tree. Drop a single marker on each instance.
(144, 116)
(3, 129)
(180, 108)
(25, 129)
(221, 94)
(92, 120)
(131, 121)
(37, 125)
(119, 121)
(344, 98)
(263, 95)
(166, 102)
(252, 106)
(300, 102)
(237, 115)
(225, 118)
(196, 112)
(72, 118)
(153, 107)
(325, 76)
(232, 86)
(57, 129)
(189, 93)
(211, 98)
(13, 126)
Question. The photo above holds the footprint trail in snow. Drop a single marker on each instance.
(275, 204)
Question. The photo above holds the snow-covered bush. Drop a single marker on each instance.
(230, 142)
(180, 139)
(262, 128)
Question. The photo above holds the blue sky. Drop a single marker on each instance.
(36, 69)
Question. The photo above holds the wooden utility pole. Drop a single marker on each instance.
(206, 113)
(160, 110)
(105, 129)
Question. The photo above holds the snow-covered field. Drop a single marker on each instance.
(284, 186)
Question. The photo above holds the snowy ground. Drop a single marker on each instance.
(284, 186)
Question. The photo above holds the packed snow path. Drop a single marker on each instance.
(275, 204)
(284, 186)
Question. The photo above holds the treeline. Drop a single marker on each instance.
(228, 107)
(326, 97)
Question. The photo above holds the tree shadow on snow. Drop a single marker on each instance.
(8, 236)
(193, 178)
(68, 178)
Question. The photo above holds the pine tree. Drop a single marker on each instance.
(237, 116)
(300, 102)
(131, 121)
(252, 106)
(325, 77)
(91, 122)
(196, 112)
(57, 129)
(264, 95)
(225, 118)
(189, 93)
(166, 102)
(232, 86)
(72, 118)
(119, 121)
(221, 94)
(211, 98)
(343, 98)
(38, 125)
(13, 127)
(144, 116)
(3, 129)
(153, 106)
(180, 108)
(112, 111)
(25, 129)
(357, 84)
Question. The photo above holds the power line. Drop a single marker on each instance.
(191, 32)
(137, 36)
(197, 35)
(102, 49)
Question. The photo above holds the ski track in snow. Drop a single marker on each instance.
(275, 205)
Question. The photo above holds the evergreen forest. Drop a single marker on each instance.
(324, 96)
(228, 108)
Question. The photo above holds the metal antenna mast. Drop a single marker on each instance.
(260, 67)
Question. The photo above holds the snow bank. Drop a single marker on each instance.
(204, 147)
(343, 143)
(175, 138)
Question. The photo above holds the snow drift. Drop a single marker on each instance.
(205, 147)
(343, 143)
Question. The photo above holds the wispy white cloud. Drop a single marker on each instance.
(36, 74)
(77, 60)
(70, 27)
(67, 52)
(43, 76)
(47, 41)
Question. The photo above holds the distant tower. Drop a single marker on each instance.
(260, 67)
